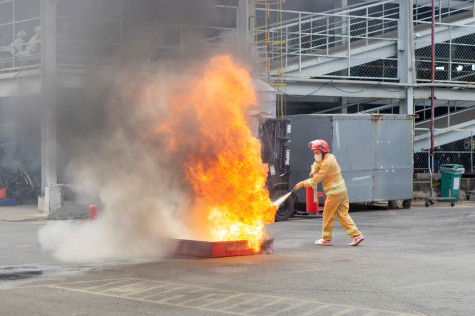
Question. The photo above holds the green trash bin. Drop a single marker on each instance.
(450, 180)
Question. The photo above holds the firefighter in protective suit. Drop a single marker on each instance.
(325, 169)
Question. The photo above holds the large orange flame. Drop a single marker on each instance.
(222, 164)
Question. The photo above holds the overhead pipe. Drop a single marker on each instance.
(380, 83)
(432, 77)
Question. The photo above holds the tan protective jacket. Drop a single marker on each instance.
(329, 173)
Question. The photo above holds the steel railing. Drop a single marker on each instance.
(19, 47)
(77, 48)
(317, 38)
(330, 36)
(443, 9)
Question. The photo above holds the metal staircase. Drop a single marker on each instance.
(363, 42)
(448, 128)
(336, 44)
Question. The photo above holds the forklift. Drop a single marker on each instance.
(274, 135)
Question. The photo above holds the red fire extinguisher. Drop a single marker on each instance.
(312, 205)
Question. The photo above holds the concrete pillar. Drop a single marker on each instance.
(406, 59)
(243, 19)
(48, 94)
(242, 36)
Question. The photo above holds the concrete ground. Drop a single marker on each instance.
(417, 261)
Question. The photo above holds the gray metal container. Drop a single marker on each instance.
(375, 153)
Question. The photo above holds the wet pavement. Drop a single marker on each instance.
(417, 261)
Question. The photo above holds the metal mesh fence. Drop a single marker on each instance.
(361, 42)
(91, 32)
(329, 45)
(454, 52)
(451, 146)
(444, 9)
(20, 35)
(171, 30)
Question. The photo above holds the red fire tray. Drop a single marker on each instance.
(214, 249)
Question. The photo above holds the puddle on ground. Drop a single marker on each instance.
(19, 275)
(14, 276)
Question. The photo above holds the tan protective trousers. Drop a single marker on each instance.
(338, 204)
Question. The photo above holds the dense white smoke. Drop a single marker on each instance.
(138, 183)
(143, 198)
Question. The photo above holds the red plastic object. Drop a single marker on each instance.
(312, 205)
(214, 249)
(92, 212)
(3, 193)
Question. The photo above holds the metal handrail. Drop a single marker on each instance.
(344, 106)
(440, 4)
(379, 108)
(332, 26)
(446, 115)
(305, 18)
(355, 6)
(337, 38)
(316, 17)
(445, 24)
(321, 15)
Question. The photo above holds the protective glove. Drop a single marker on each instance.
(298, 186)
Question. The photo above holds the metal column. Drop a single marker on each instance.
(243, 19)
(406, 58)
(242, 43)
(340, 4)
(48, 94)
(344, 103)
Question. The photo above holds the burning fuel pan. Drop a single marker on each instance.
(214, 249)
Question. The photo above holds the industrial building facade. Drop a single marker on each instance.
(359, 57)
